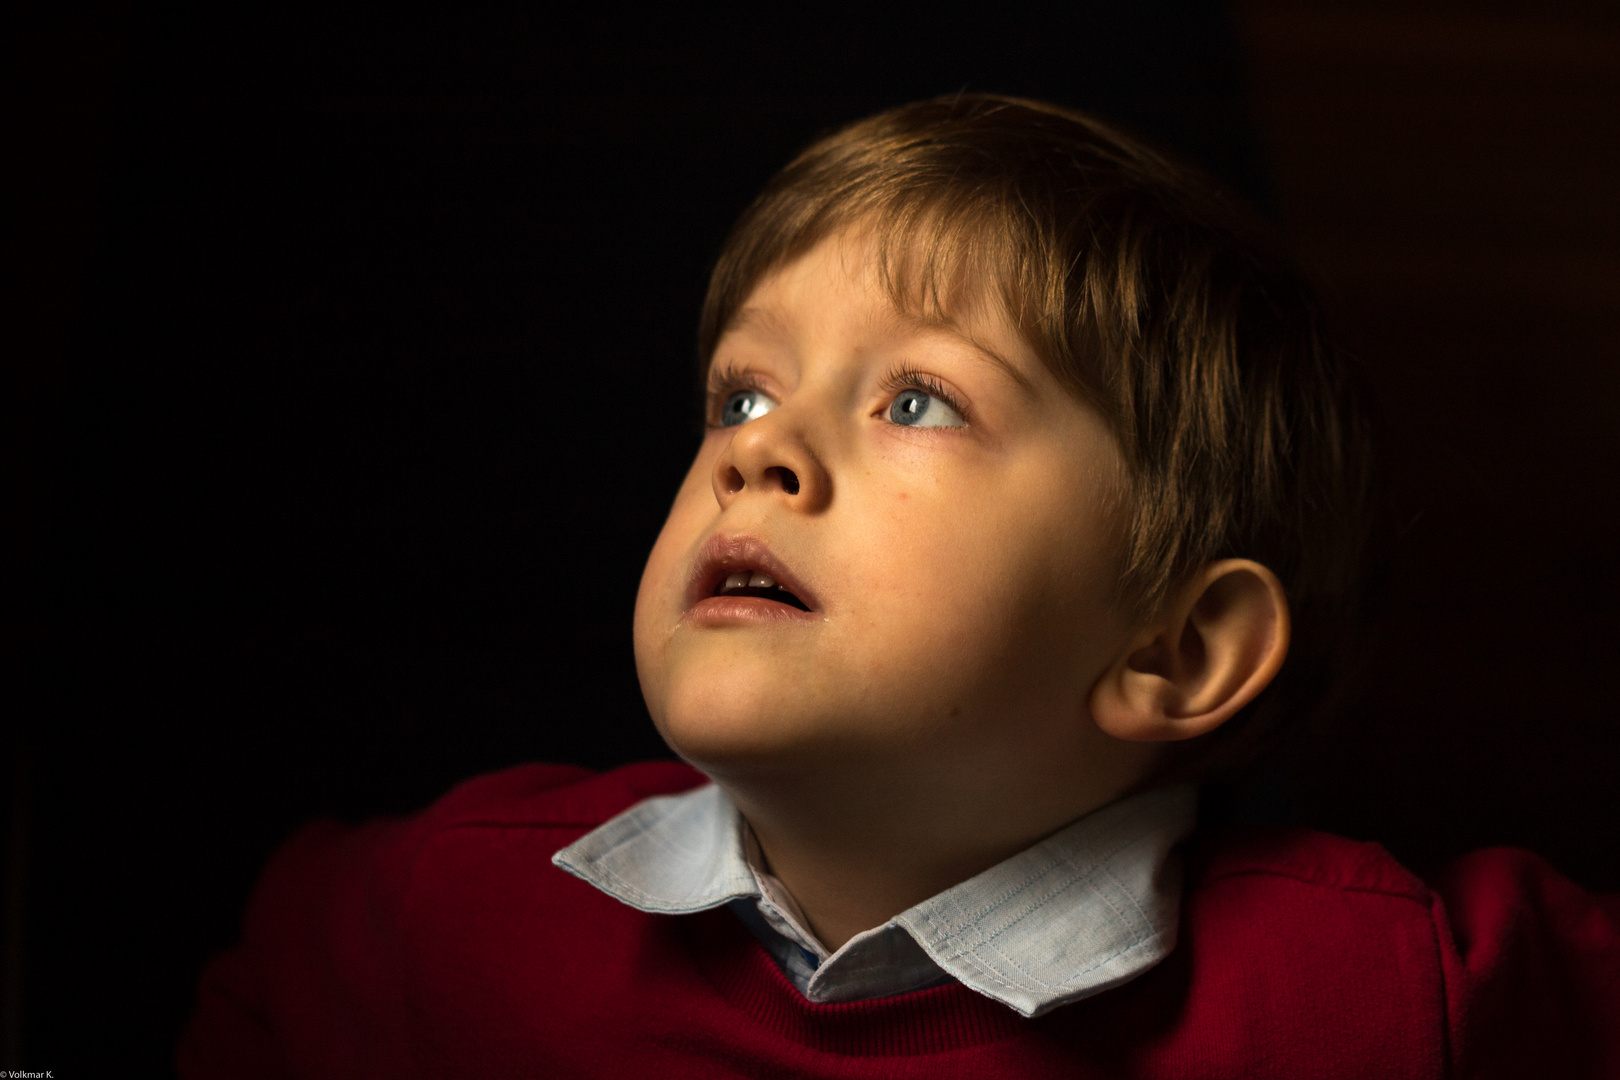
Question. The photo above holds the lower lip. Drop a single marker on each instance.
(718, 610)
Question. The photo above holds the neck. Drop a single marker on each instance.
(856, 850)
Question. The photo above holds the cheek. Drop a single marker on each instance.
(985, 588)
(692, 512)
(663, 583)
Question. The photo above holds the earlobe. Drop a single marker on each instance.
(1218, 642)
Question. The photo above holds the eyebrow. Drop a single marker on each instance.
(769, 322)
(952, 328)
(760, 319)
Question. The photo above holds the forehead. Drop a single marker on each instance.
(847, 286)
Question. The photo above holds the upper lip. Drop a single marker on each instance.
(722, 555)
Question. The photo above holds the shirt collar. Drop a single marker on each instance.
(1088, 908)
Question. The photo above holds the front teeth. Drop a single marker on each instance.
(745, 580)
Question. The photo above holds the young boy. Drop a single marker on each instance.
(1026, 466)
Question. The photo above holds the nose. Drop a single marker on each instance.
(769, 456)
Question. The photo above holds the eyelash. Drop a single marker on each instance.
(904, 377)
(725, 381)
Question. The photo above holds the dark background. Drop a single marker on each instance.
(347, 375)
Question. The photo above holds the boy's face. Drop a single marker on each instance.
(944, 510)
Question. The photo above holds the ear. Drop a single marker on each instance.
(1219, 641)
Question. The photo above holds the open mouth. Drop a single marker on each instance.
(739, 577)
(757, 583)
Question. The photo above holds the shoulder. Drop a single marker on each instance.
(1497, 962)
(561, 799)
(557, 796)
(1321, 905)
(1488, 892)
(349, 922)
(1337, 891)
(1293, 915)
(1223, 857)
(1298, 915)
(328, 867)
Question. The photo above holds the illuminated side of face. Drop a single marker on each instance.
(895, 553)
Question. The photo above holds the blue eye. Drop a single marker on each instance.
(742, 406)
(918, 408)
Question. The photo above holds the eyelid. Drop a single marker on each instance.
(725, 380)
(728, 377)
(905, 377)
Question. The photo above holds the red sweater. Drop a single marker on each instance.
(448, 945)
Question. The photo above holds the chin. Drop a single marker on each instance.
(723, 739)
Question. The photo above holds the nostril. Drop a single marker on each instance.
(789, 481)
(733, 481)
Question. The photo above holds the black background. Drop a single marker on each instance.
(369, 386)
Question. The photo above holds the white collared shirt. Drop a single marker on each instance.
(1090, 907)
